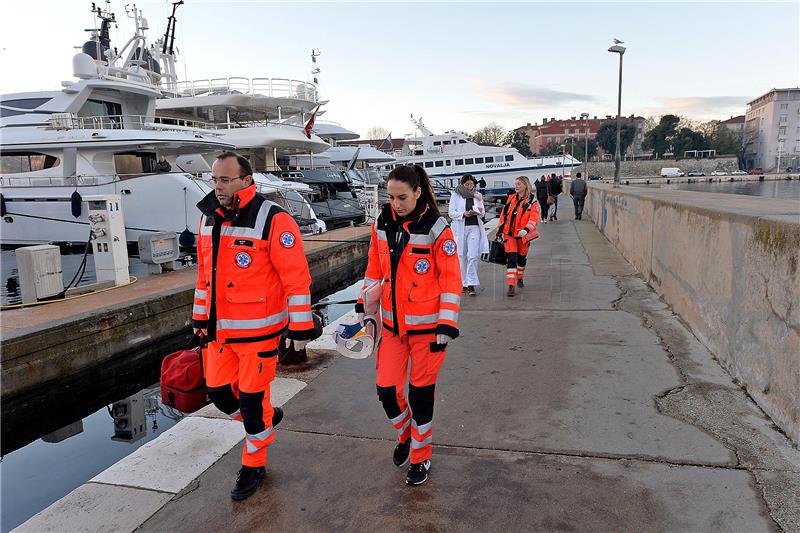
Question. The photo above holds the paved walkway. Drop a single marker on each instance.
(582, 404)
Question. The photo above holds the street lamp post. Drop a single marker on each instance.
(585, 117)
(617, 49)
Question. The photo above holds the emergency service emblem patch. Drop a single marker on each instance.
(243, 260)
(422, 266)
(287, 239)
(449, 247)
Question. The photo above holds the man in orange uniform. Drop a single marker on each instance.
(518, 222)
(252, 284)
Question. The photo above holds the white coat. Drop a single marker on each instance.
(456, 210)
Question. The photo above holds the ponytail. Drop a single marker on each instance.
(416, 178)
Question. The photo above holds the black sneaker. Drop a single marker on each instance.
(471, 290)
(520, 283)
(247, 481)
(277, 416)
(418, 473)
(401, 452)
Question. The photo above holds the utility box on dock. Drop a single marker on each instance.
(109, 246)
(40, 273)
(159, 250)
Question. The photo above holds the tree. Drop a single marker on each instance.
(688, 139)
(579, 144)
(659, 138)
(519, 140)
(607, 136)
(377, 133)
(493, 134)
(725, 141)
(550, 148)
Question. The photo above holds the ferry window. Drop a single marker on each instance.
(462, 141)
(417, 152)
(447, 163)
(509, 158)
(132, 164)
(428, 164)
(439, 163)
(445, 142)
(26, 162)
(490, 159)
(459, 162)
(468, 161)
(478, 160)
(437, 143)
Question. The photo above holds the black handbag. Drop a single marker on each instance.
(497, 252)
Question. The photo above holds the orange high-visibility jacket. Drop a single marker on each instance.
(417, 261)
(252, 276)
(520, 214)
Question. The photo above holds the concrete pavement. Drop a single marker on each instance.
(581, 404)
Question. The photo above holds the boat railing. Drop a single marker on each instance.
(71, 121)
(272, 87)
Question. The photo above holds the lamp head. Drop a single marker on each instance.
(617, 49)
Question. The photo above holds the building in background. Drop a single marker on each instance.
(560, 131)
(734, 124)
(772, 131)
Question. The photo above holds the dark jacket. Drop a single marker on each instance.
(541, 191)
(556, 186)
(578, 188)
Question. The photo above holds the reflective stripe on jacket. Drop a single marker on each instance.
(517, 215)
(417, 261)
(252, 278)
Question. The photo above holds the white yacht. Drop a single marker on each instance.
(97, 135)
(447, 157)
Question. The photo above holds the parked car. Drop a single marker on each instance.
(594, 178)
(671, 172)
(738, 173)
(757, 171)
(695, 173)
(719, 173)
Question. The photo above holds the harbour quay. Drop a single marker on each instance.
(590, 401)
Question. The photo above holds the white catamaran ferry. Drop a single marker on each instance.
(449, 156)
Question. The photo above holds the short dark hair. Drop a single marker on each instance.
(245, 168)
(468, 177)
(578, 175)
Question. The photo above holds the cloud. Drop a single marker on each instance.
(704, 106)
(529, 97)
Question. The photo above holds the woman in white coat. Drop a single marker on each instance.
(466, 210)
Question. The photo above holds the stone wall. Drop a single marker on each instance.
(649, 168)
(728, 265)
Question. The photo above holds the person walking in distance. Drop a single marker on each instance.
(541, 195)
(253, 285)
(517, 227)
(556, 187)
(466, 210)
(414, 255)
(578, 190)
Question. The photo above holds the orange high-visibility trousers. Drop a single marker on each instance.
(238, 377)
(412, 419)
(516, 258)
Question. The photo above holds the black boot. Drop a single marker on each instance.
(277, 416)
(247, 481)
(401, 452)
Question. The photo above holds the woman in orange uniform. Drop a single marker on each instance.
(414, 255)
(518, 222)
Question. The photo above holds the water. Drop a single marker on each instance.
(42, 472)
(36, 473)
(783, 189)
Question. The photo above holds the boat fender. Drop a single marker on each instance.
(76, 203)
(186, 239)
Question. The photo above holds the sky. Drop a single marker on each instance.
(458, 65)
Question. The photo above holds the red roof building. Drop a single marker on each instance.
(560, 131)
